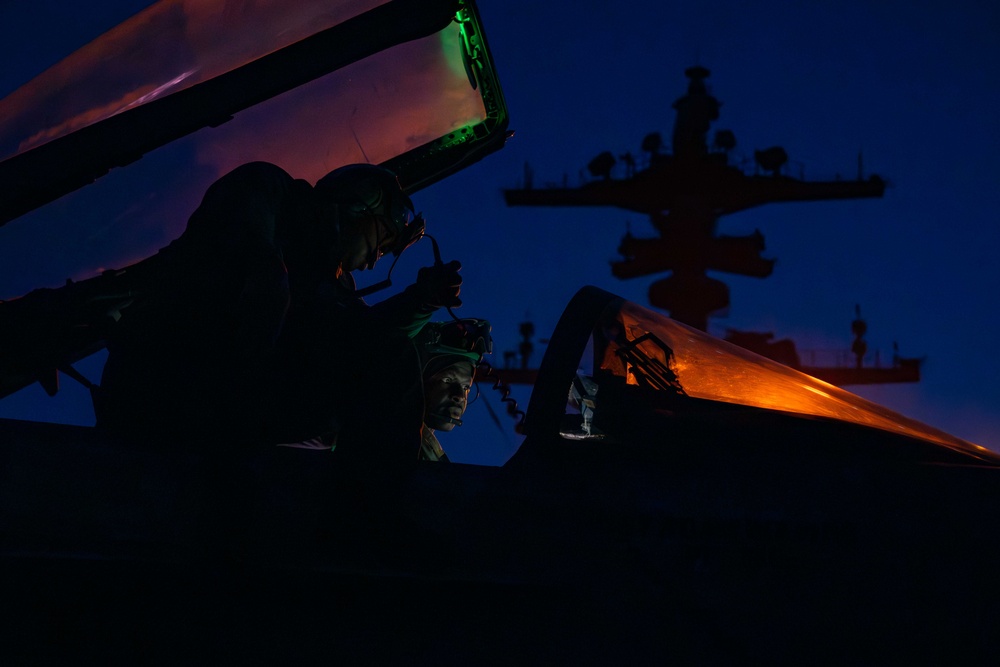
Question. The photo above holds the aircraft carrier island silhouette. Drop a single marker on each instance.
(684, 189)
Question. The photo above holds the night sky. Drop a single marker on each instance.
(910, 86)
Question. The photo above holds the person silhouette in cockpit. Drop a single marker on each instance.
(241, 329)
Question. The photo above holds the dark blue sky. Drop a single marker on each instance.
(910, 85)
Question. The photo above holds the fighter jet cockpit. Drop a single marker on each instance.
(618, 374)
(672, 494)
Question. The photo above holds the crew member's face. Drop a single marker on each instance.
(446, 394)
(372, 239)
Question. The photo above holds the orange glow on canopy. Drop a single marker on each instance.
(711, 369)
(353, 115)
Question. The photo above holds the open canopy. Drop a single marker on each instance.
(305, 84)
(621, 363)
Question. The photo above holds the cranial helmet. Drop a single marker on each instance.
(441, 344)
(368, 192)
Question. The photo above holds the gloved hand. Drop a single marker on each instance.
(438, 286)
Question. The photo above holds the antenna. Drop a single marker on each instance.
(360, 147)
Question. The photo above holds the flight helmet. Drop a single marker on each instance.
(441, 344)
(368, 194)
